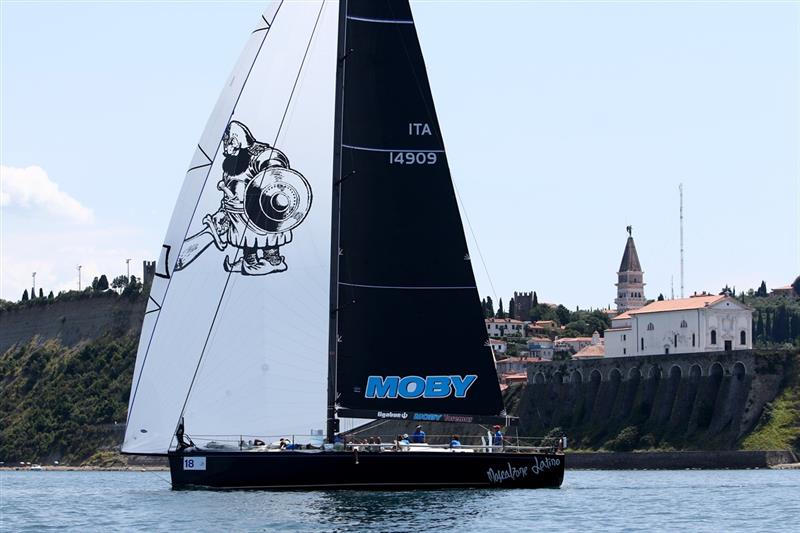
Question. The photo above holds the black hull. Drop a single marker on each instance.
(384, 470)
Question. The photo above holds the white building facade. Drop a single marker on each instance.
(687, 325)
(502, 327)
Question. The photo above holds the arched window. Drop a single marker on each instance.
(651, 327)
(742, 338)
(684, 324)
(713, 336)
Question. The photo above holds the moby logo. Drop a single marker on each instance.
(413, 387)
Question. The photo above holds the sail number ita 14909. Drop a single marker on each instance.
(194, 463)
(413, 158)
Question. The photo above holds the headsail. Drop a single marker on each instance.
(410, 334)
(234, 339)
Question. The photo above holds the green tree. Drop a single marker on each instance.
(41, 294)
(762, 289)
(134, 287)
(759, 325)
(25, 295)
(500, 312)
(120, 282)
(660, 297)
(511, 308)
(563, 314)
(767, 325)
(796, 286)
(794, 329)
(102, 283)
(95, 283)
(535, 300)
(489, 307)
(50, 296)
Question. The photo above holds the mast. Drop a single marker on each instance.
(332, 424)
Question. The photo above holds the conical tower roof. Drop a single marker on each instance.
(630, 259)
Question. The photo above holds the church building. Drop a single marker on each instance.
(704, 323)
(630, 278)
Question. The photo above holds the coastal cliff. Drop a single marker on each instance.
(66, 369)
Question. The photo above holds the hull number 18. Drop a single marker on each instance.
(194, 463)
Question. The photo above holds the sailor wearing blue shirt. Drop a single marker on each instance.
(419, 436)
(497, 439)
(455, 443)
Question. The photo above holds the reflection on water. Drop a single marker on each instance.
(744, 500)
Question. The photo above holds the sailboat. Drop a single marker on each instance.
(315, 269)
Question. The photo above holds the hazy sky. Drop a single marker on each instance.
(564, 122)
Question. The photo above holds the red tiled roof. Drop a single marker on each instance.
(680, 304)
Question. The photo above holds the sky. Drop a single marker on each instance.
(564, 122)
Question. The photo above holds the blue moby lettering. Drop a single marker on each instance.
(413, 387)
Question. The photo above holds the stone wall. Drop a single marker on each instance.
(72, 321)
(701, 401)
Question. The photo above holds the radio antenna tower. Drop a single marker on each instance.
(680, 189)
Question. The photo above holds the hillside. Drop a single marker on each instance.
(64, 403)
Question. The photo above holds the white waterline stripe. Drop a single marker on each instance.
(406, 287)
(364, 148)
(380, 21)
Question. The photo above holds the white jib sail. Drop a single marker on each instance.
(235, 337)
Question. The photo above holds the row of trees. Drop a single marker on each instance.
(580, 322)
(121, 285)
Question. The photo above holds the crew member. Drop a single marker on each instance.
(419, 436)
(454, 442)
(497, 438)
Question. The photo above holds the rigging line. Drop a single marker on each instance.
(244, 233)
(191, 218)
(432, 113)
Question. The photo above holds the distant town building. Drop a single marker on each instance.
(701, 323)
(788, 290)
(542, 327)
(502, 327)
(148, 272)
(541, 348)
(594, 350)
(630, 278)
(523, 303)
(572, 344)
(498, 347)
(515, 365)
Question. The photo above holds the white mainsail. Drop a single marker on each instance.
(235, 338)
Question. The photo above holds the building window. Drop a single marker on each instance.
(624, 351)
(713, 336)
(684, 324)
(623, 337)
(675, 341)
(642, 343)
(650, 327)
(742, 338)
(692, 340)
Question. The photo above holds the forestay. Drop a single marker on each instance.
(235, 336)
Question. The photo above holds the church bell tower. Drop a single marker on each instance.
(630, 278)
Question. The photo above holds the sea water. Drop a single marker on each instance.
(689, 501)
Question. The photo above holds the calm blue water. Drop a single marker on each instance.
(744, 500)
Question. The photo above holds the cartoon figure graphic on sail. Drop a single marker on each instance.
(263, 200)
